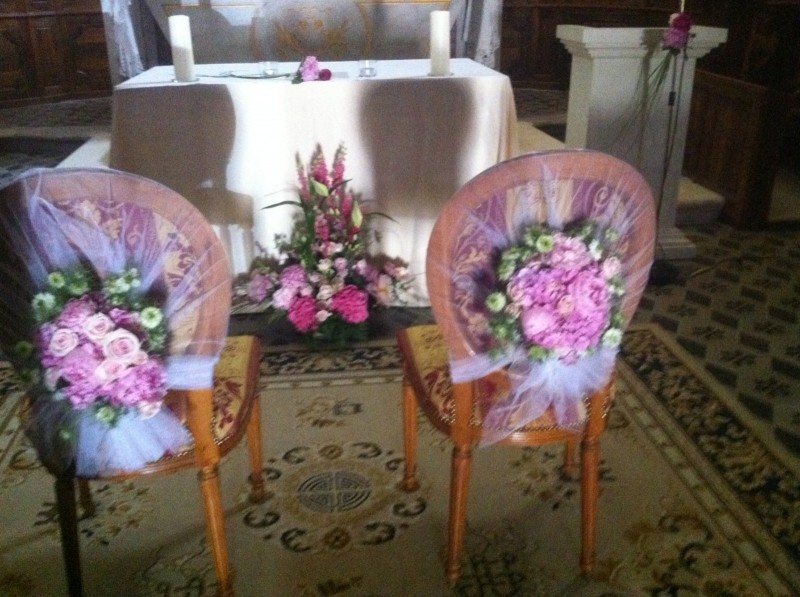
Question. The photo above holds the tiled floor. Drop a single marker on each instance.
(735, 306)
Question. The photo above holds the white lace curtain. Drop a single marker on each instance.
(478, 30)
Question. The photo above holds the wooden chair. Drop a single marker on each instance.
(144, 217)
(463, 245)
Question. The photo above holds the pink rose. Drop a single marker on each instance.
(303, 314)
(97, 326)
(62, 342)
(351, 304)
(110, 369)
(121, 344)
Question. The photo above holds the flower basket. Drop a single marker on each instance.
(325, 283)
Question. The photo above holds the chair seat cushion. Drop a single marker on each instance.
(427, 367)
(234, 381)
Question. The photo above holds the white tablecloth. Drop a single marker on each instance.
(229, 144)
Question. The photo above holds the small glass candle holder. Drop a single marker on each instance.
(268, 68)
(367, 68)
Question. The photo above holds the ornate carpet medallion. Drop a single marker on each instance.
(334, 497)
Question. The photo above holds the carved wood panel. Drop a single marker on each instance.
(52, 49)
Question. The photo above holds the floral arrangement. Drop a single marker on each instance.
(677, 35)
(309, 70)
(97, 358)
(326, 284)
(559, 293)
(675, 41)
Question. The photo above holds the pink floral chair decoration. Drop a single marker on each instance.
(54, 219)
(476, 396)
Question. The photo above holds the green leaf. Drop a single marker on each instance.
(287, 202)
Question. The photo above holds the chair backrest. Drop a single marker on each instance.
(108, 220)
(487, 213)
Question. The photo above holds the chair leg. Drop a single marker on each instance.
(258, 494)
(461, 469)
(68, 523)
(88, 509)
(590, 464)
(207, 458)
(410, 482)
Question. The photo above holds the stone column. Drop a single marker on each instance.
(615, 107)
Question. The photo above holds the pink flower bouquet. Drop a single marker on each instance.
(95, 363)
(326, 284)
(559, 293)
(309, 70)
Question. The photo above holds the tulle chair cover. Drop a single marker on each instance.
(55, 219)
(486, 216)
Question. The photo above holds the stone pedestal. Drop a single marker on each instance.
(616, 107)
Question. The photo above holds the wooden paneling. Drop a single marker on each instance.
(47, 38)
(52, 49)
(733, 143)
(14, 50)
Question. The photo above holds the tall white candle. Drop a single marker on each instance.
(440, 43)
(180, 38)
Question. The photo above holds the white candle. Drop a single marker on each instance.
(440, 43)
(180, 38)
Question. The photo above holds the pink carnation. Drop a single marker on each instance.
(677, 36)
(124, 318)
(293, 276)
(309, 70)
(303, 314)
(259, 286)
(144, 383)
(351, 304)
(75, 313)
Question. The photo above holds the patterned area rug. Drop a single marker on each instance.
(693, 500)
(18, 154)
(736, 309)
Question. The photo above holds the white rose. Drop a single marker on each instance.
(97, 326)
(63, 342)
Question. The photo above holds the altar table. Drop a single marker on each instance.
(229, 143)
